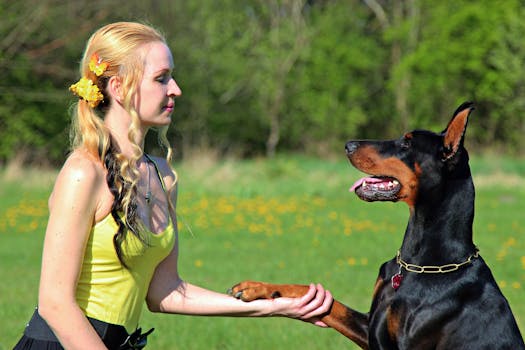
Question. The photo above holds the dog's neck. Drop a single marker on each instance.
(439, 229)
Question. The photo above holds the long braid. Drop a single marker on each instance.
(120, 188)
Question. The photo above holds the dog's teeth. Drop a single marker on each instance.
(382, 186)
(364, 184)
(396, 182)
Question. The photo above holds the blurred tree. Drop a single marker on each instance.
(399, 23)
(337, 86)
(41, 43)
(280, 35)
(470, 51)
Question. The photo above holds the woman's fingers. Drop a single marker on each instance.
(318, 305)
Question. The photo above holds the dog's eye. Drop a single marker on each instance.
(406, 142)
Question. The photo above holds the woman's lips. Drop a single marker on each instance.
(169, 107)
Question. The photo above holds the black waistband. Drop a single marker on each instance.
(112, 335)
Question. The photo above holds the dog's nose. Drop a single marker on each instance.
(350, 147)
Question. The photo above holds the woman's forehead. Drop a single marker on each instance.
(157, 58)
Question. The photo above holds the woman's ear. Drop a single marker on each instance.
(115, 89)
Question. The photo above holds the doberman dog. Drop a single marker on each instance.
(437, 292)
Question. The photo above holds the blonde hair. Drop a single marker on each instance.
(120, 45)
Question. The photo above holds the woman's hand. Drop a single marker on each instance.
(311, 307)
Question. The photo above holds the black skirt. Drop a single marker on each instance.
(39, 336)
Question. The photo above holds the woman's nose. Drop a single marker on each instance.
(173, 88)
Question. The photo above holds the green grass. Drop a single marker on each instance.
(286, 220)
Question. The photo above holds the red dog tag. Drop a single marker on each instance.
(396, 280)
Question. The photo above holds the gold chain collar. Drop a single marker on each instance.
(434, 269)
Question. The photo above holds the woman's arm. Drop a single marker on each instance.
(72, 210)
(168, 293)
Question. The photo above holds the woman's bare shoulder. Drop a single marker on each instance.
(81, 172)
(82, 166)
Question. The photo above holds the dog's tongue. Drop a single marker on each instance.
(360, 182)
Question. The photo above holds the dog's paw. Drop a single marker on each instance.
(251, 290)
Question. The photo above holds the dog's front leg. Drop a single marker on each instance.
(350, 323)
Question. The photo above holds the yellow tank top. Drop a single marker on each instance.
(110, 292)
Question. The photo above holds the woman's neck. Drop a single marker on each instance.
(118, 123)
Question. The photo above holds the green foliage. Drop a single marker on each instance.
(327, 100)
(264, 76)
(470, 51)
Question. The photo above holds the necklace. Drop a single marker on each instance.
(148, 196)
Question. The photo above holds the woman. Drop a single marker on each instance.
(111, 240)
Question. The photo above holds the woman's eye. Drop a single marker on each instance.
(164, 79)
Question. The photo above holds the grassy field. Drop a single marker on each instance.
(286, 220)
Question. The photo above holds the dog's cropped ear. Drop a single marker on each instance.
(454, 134)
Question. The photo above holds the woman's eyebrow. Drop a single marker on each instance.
(162, 71)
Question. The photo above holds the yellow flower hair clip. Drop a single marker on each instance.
(86, 88)
(96, 65)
